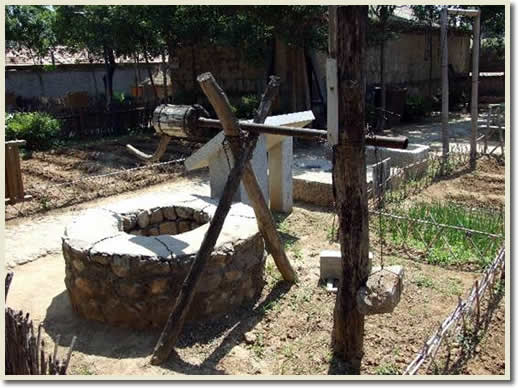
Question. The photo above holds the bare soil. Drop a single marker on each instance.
(288, 329)
(82, 172)
(481, 188)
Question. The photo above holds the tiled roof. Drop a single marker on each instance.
(62, 56)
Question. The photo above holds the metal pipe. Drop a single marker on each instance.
(379, 141)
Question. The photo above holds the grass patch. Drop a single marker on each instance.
(445, 246)
(424, 282)
(387, 369)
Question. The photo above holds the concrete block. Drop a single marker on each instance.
(280, 160)
(380, 175)
(331, 264)
(219, 169)
(273, 153)
(398, 158)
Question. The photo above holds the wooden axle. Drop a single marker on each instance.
(186, 121)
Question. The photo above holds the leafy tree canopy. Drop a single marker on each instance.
(30, 27)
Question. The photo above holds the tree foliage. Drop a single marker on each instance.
(111, 31)
(30, 27)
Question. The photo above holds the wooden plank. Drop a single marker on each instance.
(17, 174)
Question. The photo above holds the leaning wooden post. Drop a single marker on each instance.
(177, 317)
(265, 221)
(242, 156)
(349, 181)
(444, 89)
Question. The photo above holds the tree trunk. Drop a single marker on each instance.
(109, 62)
(349, 183)
(164, 74)
(150, 75)
(171, 52)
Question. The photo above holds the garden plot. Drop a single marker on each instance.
(84, 171)
(288, 329)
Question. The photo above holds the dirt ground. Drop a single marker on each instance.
(288, 330)
(77, 173)
(482, 188)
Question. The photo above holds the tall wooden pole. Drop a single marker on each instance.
(474, 92)
(444, 86)
(349, 180)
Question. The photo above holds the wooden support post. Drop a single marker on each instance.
(444, 89)
(242, 157)
(488, 125)
(177, 317)
(474, 92)
(265, 220)
(349, 183)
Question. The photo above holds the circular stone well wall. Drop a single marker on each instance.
(125, 265)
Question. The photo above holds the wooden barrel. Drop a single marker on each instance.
(179, 120)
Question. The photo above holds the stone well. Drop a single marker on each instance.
(125, 264)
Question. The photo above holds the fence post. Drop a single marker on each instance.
(14, 191)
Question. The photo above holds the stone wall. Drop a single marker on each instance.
(133, 280)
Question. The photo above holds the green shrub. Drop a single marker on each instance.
(416, 107)
(39, 130)
(247, 106)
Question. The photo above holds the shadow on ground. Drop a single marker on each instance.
(95, 338)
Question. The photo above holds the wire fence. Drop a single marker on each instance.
(442, 234)
(451, 245)
(462, 324)
(47, 194)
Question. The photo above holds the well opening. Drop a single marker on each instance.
(125, 265)
(170, 220)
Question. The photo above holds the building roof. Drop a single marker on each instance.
(62, 56)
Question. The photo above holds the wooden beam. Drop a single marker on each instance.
(242, 155)
(265, 220)
(176, 319)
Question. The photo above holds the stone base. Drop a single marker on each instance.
(133, 280)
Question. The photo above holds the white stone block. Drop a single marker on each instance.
(280, 158)
(331, 264)
(219, 169)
